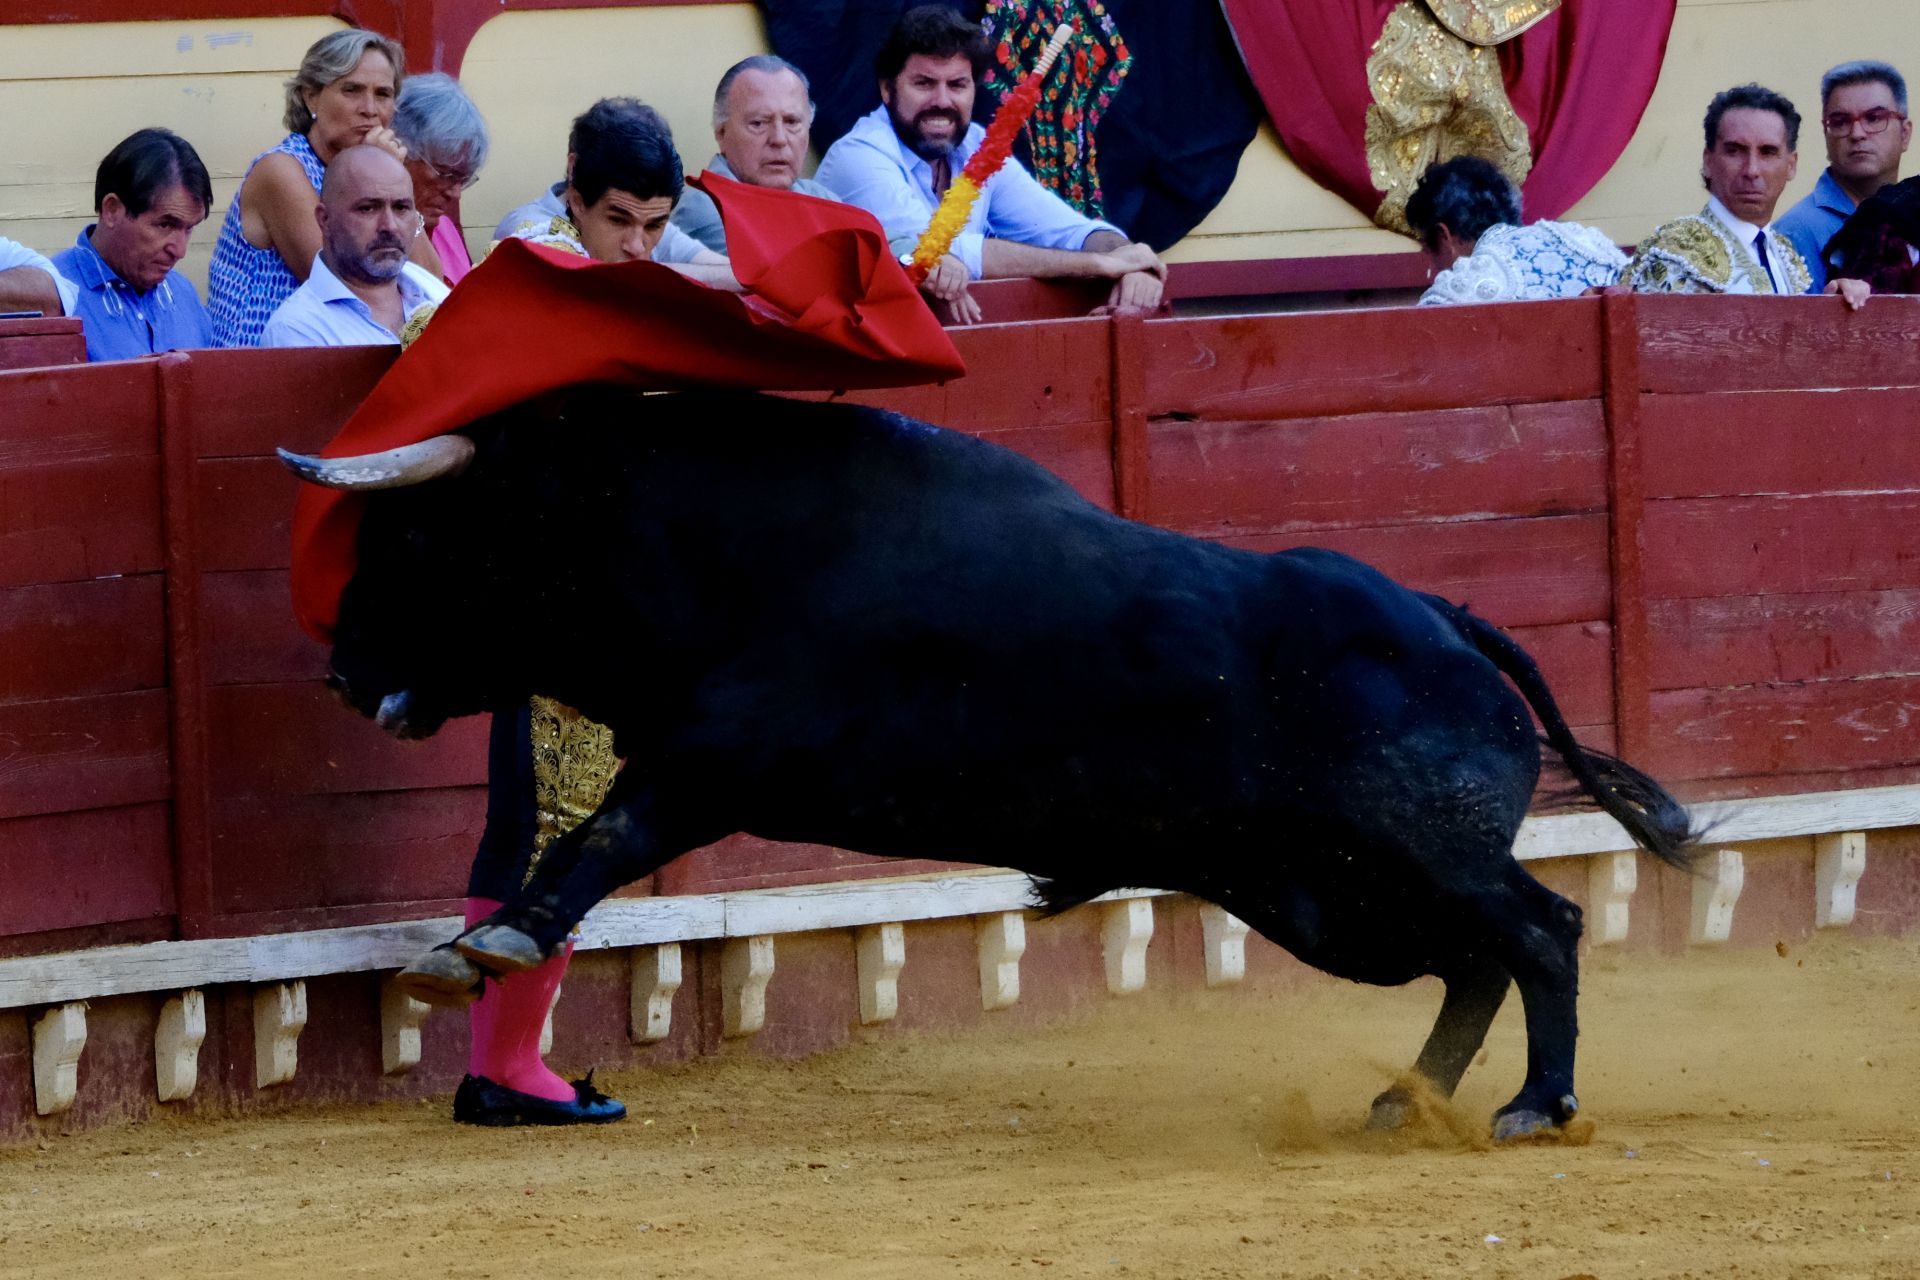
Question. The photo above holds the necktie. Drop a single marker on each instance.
(1760, 252)
(942, 176)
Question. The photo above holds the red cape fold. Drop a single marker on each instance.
(830, 310)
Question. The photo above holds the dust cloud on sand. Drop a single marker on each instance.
(1755, 1116)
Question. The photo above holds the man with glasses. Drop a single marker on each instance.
(762, 114)
(1863, 112)
(362, 290)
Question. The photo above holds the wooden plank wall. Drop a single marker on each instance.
(1782, 478)
(1704, 511)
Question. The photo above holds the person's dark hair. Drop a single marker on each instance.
(622, 144)
(935, 30)
(1752, 97)
(1466, 195)
(147, 163)
(1864, 71)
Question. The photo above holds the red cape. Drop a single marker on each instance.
(831, 310)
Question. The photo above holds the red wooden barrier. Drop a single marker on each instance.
(1700, 524)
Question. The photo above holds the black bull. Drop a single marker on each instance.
(829, 624)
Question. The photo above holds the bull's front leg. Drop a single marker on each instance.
(627, 838)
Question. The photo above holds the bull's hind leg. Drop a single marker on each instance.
(628, 837)
(1475, 990)
(1535, 934)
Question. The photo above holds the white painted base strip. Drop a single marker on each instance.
(645, 922)
(1722, 873)
(1611, 880)
(279, 1015)
(1002, 940)
(1223, 937)
(1125, 931)
(1839, 860)
(655, 974)
(58, 1037)
(400, 1019)
(880, 953)
(746, 966)
(177, 1038)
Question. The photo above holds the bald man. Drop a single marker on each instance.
(362, 290)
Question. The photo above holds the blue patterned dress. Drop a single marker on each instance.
(246, 284)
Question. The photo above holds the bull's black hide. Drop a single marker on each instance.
(823, 623)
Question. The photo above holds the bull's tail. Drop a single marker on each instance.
(1657, 822)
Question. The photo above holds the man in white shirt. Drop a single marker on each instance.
(1731, 246)
(28, 282)
(362, 291)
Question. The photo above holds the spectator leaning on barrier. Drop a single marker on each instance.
(897, 161)
(150, 193)
(28, 283)
(1863, 113)
(615, 204)
(1467, 216)
(762, 114)
(361, 290)
(446, 142)
(342, 96)
(1730, 246)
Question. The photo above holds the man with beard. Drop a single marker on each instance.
(898, 161)
(362, 291)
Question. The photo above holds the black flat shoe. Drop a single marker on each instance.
(481, 1101)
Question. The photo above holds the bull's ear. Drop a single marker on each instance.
(394, 469)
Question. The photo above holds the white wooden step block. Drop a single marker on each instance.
(177, 1038)
(400, 1019)
(546, 1026)
(1719, 875)
(1611, 880)
(880, 952)
(1002, 940)
(746, 965)
(279, 1015)
(655, 977)
(1125, 930)
(59, 1035)
(1839, 860)
(1224, 938)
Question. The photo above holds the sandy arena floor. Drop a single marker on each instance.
(1757, 1117)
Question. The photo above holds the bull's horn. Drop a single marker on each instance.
(394, 469)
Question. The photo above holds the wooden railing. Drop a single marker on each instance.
(1700, 515)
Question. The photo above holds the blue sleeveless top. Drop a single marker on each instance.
(245, 284)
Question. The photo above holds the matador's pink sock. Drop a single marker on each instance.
(505, 1023)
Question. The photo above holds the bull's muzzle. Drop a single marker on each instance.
(392, 714)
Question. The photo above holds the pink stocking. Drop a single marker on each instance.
(505, 1023)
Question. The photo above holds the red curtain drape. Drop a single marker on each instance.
(1580, 79)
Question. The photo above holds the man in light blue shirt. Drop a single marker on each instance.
(362, 290)
(150, 193)
(1863, 112)
(898, 161)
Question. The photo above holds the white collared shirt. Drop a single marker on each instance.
(1745, 233)
(323, 312)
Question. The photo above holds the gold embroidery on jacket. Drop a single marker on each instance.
(573, 765)
(1435, 96)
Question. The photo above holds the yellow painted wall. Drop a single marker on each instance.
(68, 93)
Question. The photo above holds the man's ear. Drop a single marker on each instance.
(112, 209)
(886, 93)
(320, 216)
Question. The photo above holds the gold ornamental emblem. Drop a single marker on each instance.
(1489, 22)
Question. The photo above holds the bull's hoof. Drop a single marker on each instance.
(442, 977)
(1517, 1123)
(500, 948)
(1391, 1110)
